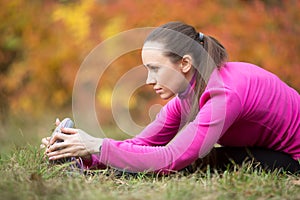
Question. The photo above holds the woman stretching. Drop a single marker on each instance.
(245, 109)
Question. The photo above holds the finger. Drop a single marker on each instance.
(57, 151)
(45, 141)
(58, 146)
(55, 147)
(69, 130)
(57, 136)
(72, 151)
(57, 122)
(42, 146)
(60, 156)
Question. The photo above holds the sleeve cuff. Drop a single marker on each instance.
(94, 162)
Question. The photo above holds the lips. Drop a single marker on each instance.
(158, 90)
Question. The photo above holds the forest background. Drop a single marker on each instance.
(43, 43)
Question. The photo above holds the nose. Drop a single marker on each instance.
(150, 79)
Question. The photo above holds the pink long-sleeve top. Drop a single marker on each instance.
(242, 105)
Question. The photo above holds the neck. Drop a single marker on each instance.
(190, 75)
(189, 87)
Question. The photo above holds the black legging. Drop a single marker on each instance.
(222, 157)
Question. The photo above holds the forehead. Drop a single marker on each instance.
(153, 46)
(152, 50)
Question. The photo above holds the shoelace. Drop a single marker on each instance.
(77, 165)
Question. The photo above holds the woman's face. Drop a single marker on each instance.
(167, 78)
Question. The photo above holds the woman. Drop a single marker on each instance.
(245, 109)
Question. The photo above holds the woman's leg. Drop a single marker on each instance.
(222, 157)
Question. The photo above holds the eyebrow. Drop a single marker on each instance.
(150, 65)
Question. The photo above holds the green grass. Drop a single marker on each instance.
(25, 175)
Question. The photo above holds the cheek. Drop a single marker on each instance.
(172, 79)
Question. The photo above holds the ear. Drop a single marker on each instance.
(186, 64)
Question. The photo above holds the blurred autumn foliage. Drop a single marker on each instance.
(43, 43)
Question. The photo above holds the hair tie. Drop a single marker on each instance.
(201, 37)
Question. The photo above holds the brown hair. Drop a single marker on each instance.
(180, 39)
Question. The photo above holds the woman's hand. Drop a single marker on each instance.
(46, 140)
(75, 143)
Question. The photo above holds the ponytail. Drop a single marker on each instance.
(215, 50)
(215, 57)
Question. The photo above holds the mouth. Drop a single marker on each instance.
(158, 91)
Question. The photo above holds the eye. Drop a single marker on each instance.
(153, 68)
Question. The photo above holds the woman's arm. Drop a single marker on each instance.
(162, 130)
(219, 109)
(78, 143)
